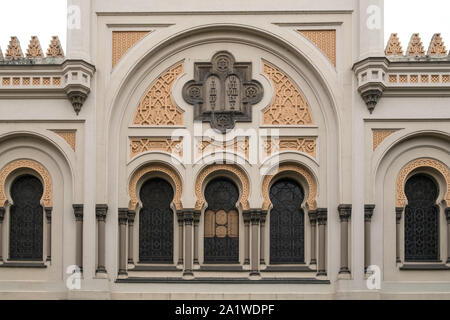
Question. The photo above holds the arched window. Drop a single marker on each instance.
(287, 237)
(221, 243)
(421, 219)
(26, 214)
(156, 222)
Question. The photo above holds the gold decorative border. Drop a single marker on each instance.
(70, 136)
(122, 41)
(35, 166)
(297, 169)
(379, 135)
(418, 163)
(155, 167)
(141, 145)
(325, 40)
(233, 169)
(305, 145)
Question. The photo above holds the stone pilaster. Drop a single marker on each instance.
(2, 217)
(246, 216)
(197, 214)
(447, 215)
(188, 224)
(345, 213)
(322, 217)
(123, 220)
(101, 211)
(48, 216)
(180, 219)
(131, 217)
(313, 223)
(398, 219)
(255, 218)
(78, 212)
(262, 231)
(368, 213)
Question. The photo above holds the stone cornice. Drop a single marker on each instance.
(402, 77)
(46, 78)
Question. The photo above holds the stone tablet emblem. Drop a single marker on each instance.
(222, 91)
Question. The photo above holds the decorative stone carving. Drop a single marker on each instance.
(368, 212)
(141, 145)
(14, 51)
(122, 41)
(1, 54)
(35, 166)
(223, 91)
(380, 134)
(288, 106)
(234, 170)
(34, 48)
(371, 98)
(77, 98)
(418, 163)
(437, 47)
(394, 47)
(325, 40)
(156, 107)
(68, 135)
(304, 145)
(295, 169)
(55, 49)
(239, 145)
(415, 47)
(162, 168)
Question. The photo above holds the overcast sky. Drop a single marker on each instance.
(44, 18)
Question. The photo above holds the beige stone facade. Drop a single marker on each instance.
(323, 101)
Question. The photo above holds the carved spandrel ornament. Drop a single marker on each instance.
(222, 91)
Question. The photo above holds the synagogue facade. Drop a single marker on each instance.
(225, 150)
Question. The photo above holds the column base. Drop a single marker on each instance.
(254, 275)
(49, 259)
(180, 262)
(188, 275)
(101, 274)
(247, 261)
(122, 274)
(448, 261)
(322, 274)
(313, 262)
(344, 270)
(130, 265)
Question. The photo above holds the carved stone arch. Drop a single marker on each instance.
(416, 164)
(295, 170)
(235, 171)
(164, 169)
(39, 169)
(157, 107)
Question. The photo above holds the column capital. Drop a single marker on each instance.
(100, 211)
(2, 213)
(447, 214)
(322, 216)
(263, 216)
(368, 212)
(131, 214)
(48, 213)
(398, 214)
(78, 211)
(345, 212)
(123, 215)
(312, 214)
(255, 215)
(188, 216)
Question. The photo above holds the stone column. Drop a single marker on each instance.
(447, 214)
(78, 212)
(100, 212)
(322, 215)
(255, 217)
(246, 216)
(398, 218)
(262, 260)
(196, 235)
(345, 212)
(123, 219)
(2, 217)
(313, 222)
(188, 223)
(368, 213)
(180, 219)
(131, 216)
(48, 216)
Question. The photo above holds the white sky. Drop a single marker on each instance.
(45, 18)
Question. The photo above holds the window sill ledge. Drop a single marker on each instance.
(39, 265)
(155, 268)
(225, 280)
(424, 267)
(288, 269)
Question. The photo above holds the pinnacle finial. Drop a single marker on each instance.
(14, 50)
(415, 47)
(394, 47)
(55, 49)
(437, 46)
(34, 48)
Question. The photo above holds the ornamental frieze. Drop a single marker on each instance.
(223, 91)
